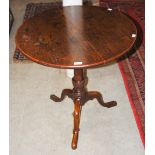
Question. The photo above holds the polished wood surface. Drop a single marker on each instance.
(76, 37)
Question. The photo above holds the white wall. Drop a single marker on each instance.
(72, 2)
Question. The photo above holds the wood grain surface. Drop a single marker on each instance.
(76, 36)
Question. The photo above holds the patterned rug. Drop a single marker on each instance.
(132, 66)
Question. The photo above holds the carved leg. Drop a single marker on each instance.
(76, 114)
(65, 92)
(94, 94)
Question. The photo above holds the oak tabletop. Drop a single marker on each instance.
(76, 36)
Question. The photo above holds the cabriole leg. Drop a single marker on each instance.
(76, 114)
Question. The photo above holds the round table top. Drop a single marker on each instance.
(76, 36)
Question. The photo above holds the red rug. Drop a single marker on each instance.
(132, 67)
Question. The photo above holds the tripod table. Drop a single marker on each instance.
(77, 37)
